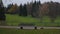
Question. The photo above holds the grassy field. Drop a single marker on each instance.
(15, 20)
(16, 31)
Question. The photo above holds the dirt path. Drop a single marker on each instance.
(29, 27)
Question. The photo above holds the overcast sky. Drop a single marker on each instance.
(6, 2)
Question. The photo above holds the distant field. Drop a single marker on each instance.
(15, 20)
(16, 31)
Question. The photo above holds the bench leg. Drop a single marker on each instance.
(21, 27)
(35, 27)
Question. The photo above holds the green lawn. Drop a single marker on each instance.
(15, 20)
(16, 31)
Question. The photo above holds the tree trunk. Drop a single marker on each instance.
(52, 20)
(41, 19)
(2, 23)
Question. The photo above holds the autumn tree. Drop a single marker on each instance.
(43, 8)
(8, 7)
(13, 9)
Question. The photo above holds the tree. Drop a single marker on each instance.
(29, 7)
(25, 10)
(2, 15)
(13, 9)
(21, 10)
(53, 11)
(57, 8)
(43, 11)
(35, 9)
(8, 8)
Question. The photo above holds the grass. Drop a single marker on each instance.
(16, 19)
(42, 31)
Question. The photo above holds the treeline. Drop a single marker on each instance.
(36, 9)
(24, 10)
(33, 8)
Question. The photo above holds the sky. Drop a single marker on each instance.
(18, 2)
